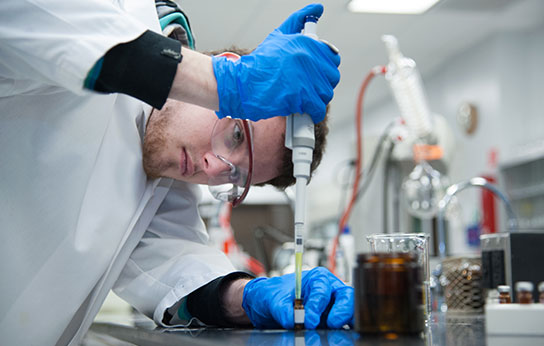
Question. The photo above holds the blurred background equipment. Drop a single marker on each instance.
(523, 179)
(415, 134)
(456, 188)
(258, 236)
(222, 237)
(460, 278)
(422, 190)
(510, 257)
(462, 281)
(420, 161)
(407, 88)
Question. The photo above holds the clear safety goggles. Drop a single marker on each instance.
(232, 145)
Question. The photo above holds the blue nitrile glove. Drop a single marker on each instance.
(288, 73)
(268, 302)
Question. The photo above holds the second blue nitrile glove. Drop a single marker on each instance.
(268, 302)
(288, 73)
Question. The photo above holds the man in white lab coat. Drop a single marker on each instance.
(79, 214)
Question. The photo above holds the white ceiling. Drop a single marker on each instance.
(430, 39)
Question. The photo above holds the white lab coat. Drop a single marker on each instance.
(77, 213)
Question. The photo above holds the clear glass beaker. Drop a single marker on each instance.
(416, 244)
(389, 294)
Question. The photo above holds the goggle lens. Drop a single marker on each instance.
(232, 145)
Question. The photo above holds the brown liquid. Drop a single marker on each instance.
(524, 297)
(504, 298)
(389, 294)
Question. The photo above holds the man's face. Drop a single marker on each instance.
(177, 145)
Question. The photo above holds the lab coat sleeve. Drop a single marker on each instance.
(57, 42)
(173, 259)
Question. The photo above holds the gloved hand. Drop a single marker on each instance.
(288, 73)
(268, 302)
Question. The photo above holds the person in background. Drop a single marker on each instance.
(82, 90)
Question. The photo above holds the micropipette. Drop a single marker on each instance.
(300, 138)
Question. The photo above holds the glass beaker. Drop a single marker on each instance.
(389, 294)
(416, 244)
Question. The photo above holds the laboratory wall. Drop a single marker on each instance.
(502, 77)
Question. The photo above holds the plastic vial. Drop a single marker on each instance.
(345, 256)
(541, 292)
(504, 294)
(524, 292)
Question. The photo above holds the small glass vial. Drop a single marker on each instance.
(524, 292)
(299, 314)
(541, 292)
(504, 294)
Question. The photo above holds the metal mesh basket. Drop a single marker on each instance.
(462, 282)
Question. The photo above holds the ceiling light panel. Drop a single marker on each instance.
(391, 6)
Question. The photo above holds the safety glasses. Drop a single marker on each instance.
(232, 145)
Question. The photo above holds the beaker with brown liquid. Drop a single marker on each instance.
(389, 294)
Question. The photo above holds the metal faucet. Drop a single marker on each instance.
(452, 191)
